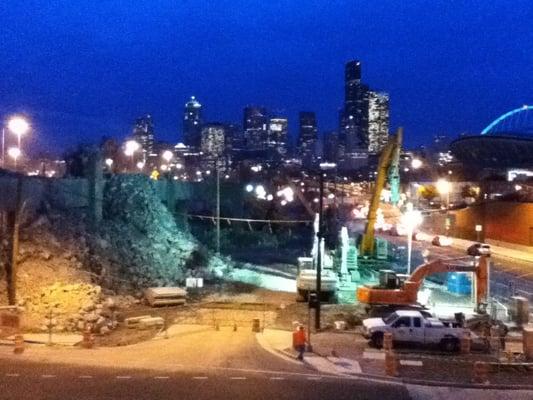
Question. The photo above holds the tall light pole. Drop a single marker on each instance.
(18, 126)
(217, 167)
(410, 219)
(444, 187)
(14, 153)
(320, 234)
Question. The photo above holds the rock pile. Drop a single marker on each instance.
(72, 307)
(140, 234)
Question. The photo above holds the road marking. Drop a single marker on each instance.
(277, 378)
(374, 355)
(237, 378)
(199, 377)
(48, 376)
(12, 375)
(412, 363)
(85, 377)
(161, 377)
(123, 377)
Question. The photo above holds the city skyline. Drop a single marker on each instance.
(79, 76)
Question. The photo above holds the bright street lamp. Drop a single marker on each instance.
(410, 219)
(130, 147)
(14, 153)
(17, 125)
(416, 163)
(167, 155)
(445, 187)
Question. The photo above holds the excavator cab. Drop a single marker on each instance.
(388, 279)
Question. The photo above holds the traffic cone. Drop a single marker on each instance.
(466, 342)
(480, 373)
(387, 341)
(19, 344)
(88, 338)
(391, 363)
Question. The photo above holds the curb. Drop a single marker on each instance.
(383, 378)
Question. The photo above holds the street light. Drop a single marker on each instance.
(326, 166)
(14, 153)
(17, 125)
(131, 147)
(167, 156)
(410, 219)
(479, 229)
(416, 163)
(445, 187)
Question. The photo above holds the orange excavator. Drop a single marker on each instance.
(395, 291)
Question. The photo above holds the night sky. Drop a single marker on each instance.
(83, 69)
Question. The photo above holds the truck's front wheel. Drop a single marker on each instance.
(377, 340)
(449, 345)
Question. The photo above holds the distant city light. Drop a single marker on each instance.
(331, 196)
(287, 193)
(108, 162)
(416, 163)
(167, 155)
(140, 165)
(131, 147)
(283, 202)
(249, 188)
(164, 167)
(260, 192)
(443, 186)
(14, 153)
(179, 166)
(270, 197)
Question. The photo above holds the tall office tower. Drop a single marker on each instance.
(213, 142)
(143, 133)
(278, 129)
(308, 138)
(378, 121)
(331, 147)
(354, 117)
(192, 123)
(255, 128)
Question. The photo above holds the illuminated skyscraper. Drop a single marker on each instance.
(143, 133)
(378, 121)
(255, 128)
(277, 135)
(308, 138)
(192, 123)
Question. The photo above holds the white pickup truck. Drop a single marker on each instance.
(409, 326)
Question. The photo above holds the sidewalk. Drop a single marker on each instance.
(348, 354)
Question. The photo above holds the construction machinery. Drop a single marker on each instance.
(388, 165)
(401, 290)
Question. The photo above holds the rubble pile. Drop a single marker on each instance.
(140, 234)
(70, 307)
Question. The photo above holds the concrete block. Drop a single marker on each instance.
(159, 296)
(152, 322)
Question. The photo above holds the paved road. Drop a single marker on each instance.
(509, 276)
(23, 380)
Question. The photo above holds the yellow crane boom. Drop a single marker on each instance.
(386, 159)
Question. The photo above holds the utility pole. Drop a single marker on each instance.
(218, 206)
(13, 222)
(319, 252)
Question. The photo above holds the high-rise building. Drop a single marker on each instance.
(213, 142)
(331, 147)
(308, 138)
(378, 121)
(278, 129)
(255, 126)
(353, 121)
(143, 133)
(192, 123)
